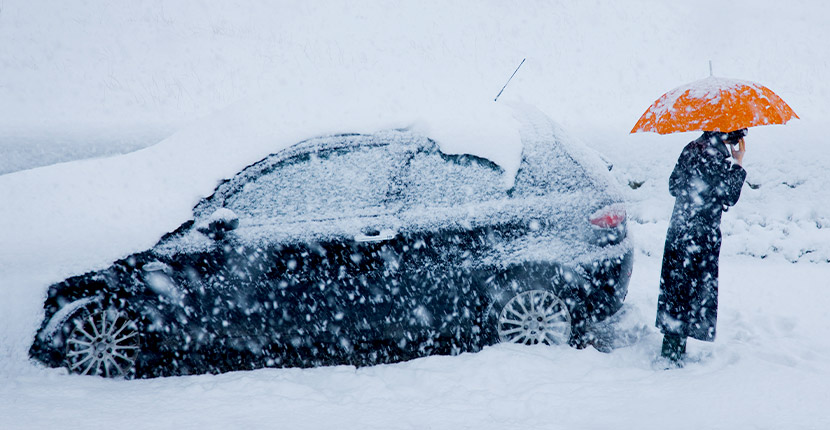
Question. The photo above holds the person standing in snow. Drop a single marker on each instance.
(704, 183)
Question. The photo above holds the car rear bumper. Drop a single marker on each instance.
(607, 284)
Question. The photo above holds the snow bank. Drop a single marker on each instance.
(784, 209)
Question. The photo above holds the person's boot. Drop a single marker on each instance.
(674, 348)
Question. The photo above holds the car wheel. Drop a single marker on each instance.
(103, 342)
(533, 317)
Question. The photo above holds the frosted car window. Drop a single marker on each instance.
(435, 179)
(334, 183)
(549, 167)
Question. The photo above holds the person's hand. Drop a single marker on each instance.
(738, 154)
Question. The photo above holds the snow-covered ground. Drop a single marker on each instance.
(240, 79)
(768, 369)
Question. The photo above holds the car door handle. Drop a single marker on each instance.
(376, 235)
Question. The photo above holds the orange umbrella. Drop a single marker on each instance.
(714, 104)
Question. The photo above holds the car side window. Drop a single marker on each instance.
(351, 181)
(436, 179)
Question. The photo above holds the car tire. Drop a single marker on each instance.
(103, 341)
(532, 317)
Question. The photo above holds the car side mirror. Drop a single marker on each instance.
(218, 223)
(607, 162)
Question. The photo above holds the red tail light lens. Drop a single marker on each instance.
(608, 217)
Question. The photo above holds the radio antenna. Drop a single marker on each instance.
(508, 80)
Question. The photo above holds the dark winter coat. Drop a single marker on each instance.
(705, 183)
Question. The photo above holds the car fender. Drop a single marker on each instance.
(61, 316)
(157, 277)
(531, 250)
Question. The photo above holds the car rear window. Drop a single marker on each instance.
(436, 179)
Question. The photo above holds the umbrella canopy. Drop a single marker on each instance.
(715, 104)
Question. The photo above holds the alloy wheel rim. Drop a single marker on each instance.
(104, 343)
(534, 317)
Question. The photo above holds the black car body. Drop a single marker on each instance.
(358, 249)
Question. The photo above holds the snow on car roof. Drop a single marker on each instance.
(111, 207)
(246, 132)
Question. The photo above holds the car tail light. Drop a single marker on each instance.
(609, 217)
(609, 225)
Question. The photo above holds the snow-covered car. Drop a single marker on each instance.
(358, 249)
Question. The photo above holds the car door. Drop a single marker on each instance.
(327, 221)
(443, 202)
